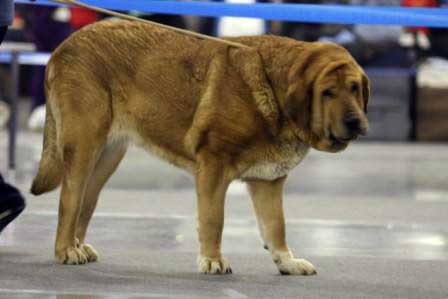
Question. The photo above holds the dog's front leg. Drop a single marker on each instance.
(267, 202)
(211, 186)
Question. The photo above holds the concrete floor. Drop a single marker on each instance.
(373, 220)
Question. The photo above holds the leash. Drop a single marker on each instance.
(132, 18)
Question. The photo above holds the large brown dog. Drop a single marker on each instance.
(219, 112)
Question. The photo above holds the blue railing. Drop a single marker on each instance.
(337, 14)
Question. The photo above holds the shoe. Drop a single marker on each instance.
(423, 41)
(4, 114)
(12, 204)
(406, 40)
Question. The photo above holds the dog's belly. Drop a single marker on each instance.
(287, 157)
(126, 134)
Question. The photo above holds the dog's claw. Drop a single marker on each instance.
(208, 265)
(79, 255)
(71, 256)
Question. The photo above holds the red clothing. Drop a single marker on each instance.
(419, 3)
(82, 17)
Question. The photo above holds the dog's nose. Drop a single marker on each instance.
(353, 126)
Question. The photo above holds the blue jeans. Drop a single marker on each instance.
(11, 201)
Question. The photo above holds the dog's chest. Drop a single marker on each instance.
(277, 161)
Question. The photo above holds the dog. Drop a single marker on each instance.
(221, 113)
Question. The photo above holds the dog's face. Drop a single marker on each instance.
(327, 97)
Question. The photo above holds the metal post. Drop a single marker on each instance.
(413, 105)
(14, 98)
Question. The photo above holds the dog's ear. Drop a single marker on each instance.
(249, 65)
(365, 91)
(297, 104)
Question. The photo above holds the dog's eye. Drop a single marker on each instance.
(354, 88)
(328, 93)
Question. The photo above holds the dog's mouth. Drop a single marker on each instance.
(340, 140)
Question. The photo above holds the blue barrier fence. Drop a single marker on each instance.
(336, 14)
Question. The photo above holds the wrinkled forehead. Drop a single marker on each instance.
(346, 74)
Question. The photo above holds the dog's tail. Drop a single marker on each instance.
(49, 175)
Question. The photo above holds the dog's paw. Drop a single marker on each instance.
(90, 252)
(208, 265)
(288, 265)
(71, 256)
(296, 267)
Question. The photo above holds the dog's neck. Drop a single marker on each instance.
(277, 62)
(278, 55)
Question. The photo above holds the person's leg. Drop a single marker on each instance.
(11, 203)
(2, 33)
(4, 108)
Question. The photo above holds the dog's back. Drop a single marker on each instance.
(119, 80)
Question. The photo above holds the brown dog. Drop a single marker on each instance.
(219, 112)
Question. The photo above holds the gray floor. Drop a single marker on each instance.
(373, 220)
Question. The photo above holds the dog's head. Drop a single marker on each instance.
(327, 97)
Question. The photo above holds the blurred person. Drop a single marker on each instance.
(15, 33)
(166, 19)
(379, 45)
(417, 36)
(48, 26)
(11, 201)
(208, 25)
(309, 32)
(6, 17)
(439, 37)
(373, 45)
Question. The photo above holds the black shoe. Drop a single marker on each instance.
(12, 203)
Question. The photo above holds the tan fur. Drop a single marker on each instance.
(218, 112)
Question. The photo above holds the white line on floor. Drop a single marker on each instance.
(97, 295)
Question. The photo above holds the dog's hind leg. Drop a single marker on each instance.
(108, 162)
(267, 201)
(84, 119)
(79, 158)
